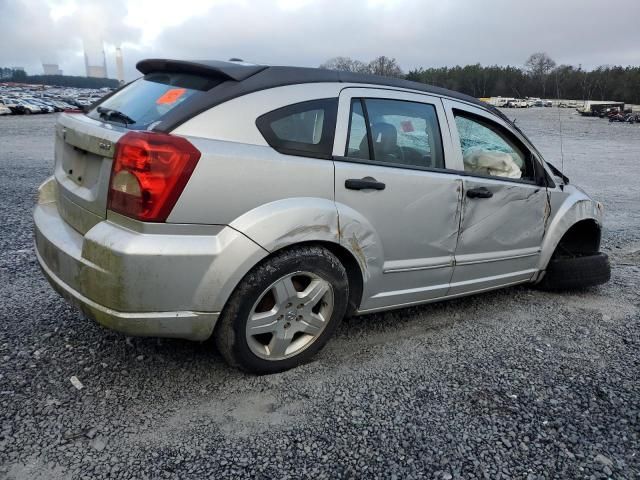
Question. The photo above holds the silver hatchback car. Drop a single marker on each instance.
(261, 205)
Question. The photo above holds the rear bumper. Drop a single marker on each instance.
(148, 284)
(188, 325)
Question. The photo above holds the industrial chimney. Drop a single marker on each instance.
(119, 65)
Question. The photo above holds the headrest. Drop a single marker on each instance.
(384, 136)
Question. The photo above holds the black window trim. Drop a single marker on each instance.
(367, 124)
(367, 127)
(402, 166)
(373, 161)
(539, 176)
(323, 149)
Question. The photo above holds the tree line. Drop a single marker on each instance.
(538, 77)
(20, 76)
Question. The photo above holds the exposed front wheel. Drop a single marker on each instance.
(283, 311)
(573, 273)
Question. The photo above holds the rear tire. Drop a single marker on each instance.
(275, 320)
(574, 273)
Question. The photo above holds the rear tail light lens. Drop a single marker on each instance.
(149, 172)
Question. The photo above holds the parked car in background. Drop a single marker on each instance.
(29, 107)
(503, 102)
(4, 110)
(12, 106)
(44, 106)
(260, 205)
(47, 99)
(548, 103)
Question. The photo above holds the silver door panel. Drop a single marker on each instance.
(407, 232)
(490, 282)
(500, 237)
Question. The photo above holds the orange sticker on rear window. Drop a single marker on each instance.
(171, 96)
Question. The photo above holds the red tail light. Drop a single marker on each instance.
(149, 172)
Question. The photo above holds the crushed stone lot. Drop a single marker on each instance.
(516, 383)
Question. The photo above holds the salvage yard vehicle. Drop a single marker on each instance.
(29, 107)
(12, 105)
(260, 205)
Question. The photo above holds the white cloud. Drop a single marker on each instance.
(153, 16)
(63, 8)
(307, 32)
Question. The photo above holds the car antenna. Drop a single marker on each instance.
(560, 126)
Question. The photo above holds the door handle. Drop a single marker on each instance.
(480, 192)
(366, 183)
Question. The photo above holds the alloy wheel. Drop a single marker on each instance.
(289, 316)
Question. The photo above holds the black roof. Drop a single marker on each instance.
(238, 79)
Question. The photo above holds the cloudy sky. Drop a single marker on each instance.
(308, 32)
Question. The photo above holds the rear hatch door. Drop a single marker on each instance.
(86, 143)
(83, 154)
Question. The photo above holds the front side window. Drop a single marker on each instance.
(305, 128)
(395, 132)
(488, 150)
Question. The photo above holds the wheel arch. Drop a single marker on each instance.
(346, 258)
(577, 226)
(350, 264)
(296, 222)
(583, 237)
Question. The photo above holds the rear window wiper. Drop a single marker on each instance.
(109, 114)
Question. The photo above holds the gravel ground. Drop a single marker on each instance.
(512, 384)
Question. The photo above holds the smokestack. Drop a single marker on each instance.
(94, 58)
(119, 65)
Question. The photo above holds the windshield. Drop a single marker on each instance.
(148, 99)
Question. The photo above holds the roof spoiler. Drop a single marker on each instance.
(207, 68)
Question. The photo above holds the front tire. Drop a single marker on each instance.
(576, 273)
(283, 311)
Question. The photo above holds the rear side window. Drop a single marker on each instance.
(150, 98)
(305, 129)
(395, 132)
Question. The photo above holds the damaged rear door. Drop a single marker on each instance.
(504, 205)
(398, 205)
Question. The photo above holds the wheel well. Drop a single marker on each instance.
(582, 238)
(350, 264)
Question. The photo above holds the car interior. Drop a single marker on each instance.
(397, 138)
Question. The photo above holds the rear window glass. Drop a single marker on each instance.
(148, 99)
